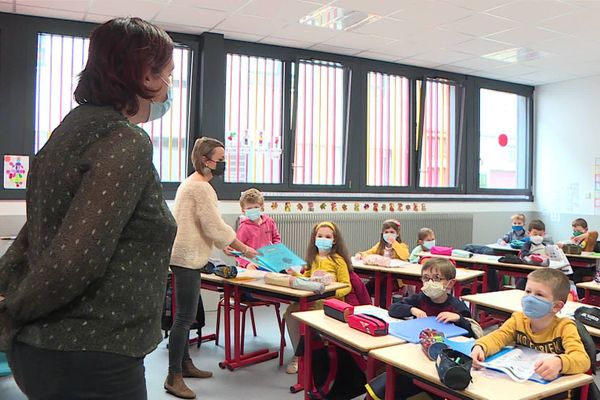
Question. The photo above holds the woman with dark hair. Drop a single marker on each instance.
(83, 285)
(200, 227)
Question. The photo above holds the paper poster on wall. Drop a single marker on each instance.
(15, 171)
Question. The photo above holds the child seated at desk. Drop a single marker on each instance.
(582, 236)
(537, 239)
(390, 245)
(438, 276)
(326, 252)
(518, 230)
(425, 241)
(538, 327)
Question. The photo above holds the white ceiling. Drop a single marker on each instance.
(556, 40)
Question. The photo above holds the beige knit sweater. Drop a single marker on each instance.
(199, 225)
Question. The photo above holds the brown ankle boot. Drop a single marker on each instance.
(175, 385)
(190, 371)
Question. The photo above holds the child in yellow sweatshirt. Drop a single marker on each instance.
(326, 252)
(390, 245)
(538, 327)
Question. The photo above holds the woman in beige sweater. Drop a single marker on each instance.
(199, 228)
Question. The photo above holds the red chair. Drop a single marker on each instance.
(249, 306)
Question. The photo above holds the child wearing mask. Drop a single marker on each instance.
(326, 252)
(438, 276)
(538, 327)
(256, 229)
(518, 230)
(425, 241)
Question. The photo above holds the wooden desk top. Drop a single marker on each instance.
(257, 283)
(589, 255)
(414, 270)
(341, 331)
(484, 259)
(486, 385)
(509, 301)
(591, 285)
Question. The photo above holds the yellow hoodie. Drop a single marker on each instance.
(560, 338)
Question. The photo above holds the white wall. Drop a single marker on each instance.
(567, 144)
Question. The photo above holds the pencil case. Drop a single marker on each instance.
(441, 251)
(369, 324)
(337, 309)
(569, 248)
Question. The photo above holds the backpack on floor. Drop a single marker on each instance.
(337, 374)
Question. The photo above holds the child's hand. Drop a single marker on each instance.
(580, 238)
(291, 271)
(251, 266)
(478, 356)
(417, 312)
(502, 242)
(358, 256)
(447, 316)
(549, 368)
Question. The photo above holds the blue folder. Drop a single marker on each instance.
(4, 369)
(410, 330)
(277, 257)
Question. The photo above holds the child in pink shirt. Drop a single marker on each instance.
(256, 229)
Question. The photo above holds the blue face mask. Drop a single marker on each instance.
(159, 109)
(253, 213)
(324, 244)
(387, 237)
(535, 307)
(517, 228)
(428, 244)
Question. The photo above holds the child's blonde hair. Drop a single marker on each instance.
(442, 265)
(253, 196)
(555, 280)
(520, 216)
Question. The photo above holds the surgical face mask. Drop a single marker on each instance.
(535, 307)
(159, 109)
(389, 237)
(537, 239)
(433, 290)
(324, 244)
(428, 244)
(219, 169)
(517, 228)
(577, 233)
(253, 213)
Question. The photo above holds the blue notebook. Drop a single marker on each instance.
(410, 330)
(277, 257)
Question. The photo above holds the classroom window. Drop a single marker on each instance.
(503, 140)
(253, 119)
(61, 58)
(388, 127)
(439, 129)
(319, 156)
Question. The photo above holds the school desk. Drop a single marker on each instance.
(410, 360)
(588, 288)
(410, 274)
(503, 303)
(232, 288)
(485, 262)
(341, 335)
(587, 259)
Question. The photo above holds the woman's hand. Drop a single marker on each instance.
(249, 252)
(228, 250)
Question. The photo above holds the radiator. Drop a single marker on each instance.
(362, 230)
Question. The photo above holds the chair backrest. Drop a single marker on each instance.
(588, 344)
(359, 296)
